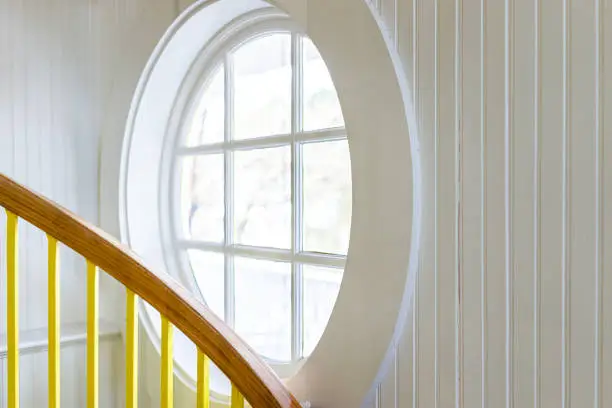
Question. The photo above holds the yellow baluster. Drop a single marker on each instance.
(167, 364)
(92, 335)
(131, 361)
(12, 306)
(237, 398)
(203, 396)
(54, 323)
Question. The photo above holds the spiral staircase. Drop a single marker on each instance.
(253, 382)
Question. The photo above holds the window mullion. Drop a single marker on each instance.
(323, 135)
(297, 309)
(297, 84)
(297, 290)
(230, 291)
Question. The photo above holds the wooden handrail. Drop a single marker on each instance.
(245, 369)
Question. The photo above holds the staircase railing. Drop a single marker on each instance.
(250, 376)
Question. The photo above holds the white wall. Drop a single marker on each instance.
(512, 300)
(514, 295)
(58, 66)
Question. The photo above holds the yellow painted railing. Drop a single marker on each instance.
(12, 308)
(54, 324)
(251, 378)
(203, 381)
(237, 398)
(131, 352)
(93, 289)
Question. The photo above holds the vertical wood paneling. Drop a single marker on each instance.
(24, 170)
(598, 355)
(494, 196)
(446, 134)
(566, 206)
(6, 143)
(407, 355)
(582, 173)
(605, 107)
(533, 295)
(535, 204)
(471, 375)
(60, 61)
(532, 141)
(405, 367)
(512, 180)
(522, 203)
(552, 206)
(537, 210)
(387, 394)
(427, 378)
(509, 143)
(111, 373)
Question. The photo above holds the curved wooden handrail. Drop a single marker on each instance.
(247, 371)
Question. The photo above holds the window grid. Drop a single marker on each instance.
(297, 279)
(296, 139)
(333, 261)
(303, 137)
(228, 159)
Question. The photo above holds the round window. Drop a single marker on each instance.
(261, 191)
(235, 179)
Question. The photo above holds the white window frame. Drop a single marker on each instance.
(236, 34)
(387, 162)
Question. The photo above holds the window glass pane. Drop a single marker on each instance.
(321, 287)
(327, 197)
(262, 81)
(321, 105)
(208, 121)
(202, 199)
(262, 205)
(208, 269)
(263, 306)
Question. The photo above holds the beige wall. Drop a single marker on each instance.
(514, 295)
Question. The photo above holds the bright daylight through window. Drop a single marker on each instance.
(263, 193)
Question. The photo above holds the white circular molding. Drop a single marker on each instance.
(382, 260)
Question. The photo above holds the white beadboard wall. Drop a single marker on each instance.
(514, 299)
(513, 305)
(58, 65)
